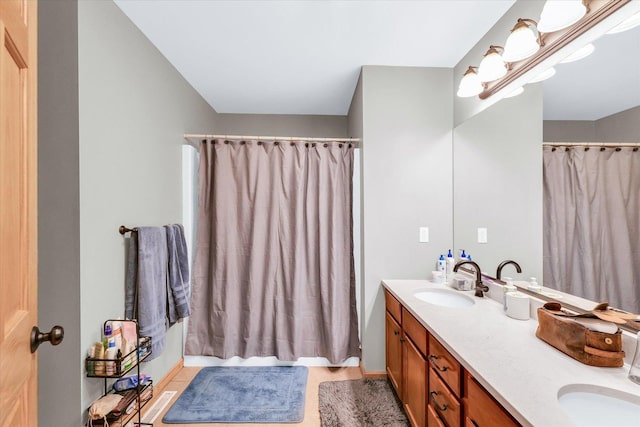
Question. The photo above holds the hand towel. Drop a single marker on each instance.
(178, 274)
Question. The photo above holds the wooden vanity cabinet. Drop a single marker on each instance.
(481, 409)
(393, 342)
(406, 365)
(430, 382)
(415, 369)
(445, 384)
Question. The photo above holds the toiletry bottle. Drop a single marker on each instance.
(442, 265)
(507, 288)
(451, 262)
(463, 256)
(116, 332)
(106, 335)
(533, 285)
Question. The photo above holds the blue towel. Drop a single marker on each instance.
(146, 285)
(178, 274)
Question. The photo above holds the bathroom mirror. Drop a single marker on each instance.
(498, 169)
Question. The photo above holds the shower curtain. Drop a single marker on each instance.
(592, 223)
(273, 268)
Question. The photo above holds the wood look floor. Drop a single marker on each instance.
(311, 413)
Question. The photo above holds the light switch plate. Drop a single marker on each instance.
(424, 234)
(482, 235)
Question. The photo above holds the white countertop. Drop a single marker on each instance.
(522, 372)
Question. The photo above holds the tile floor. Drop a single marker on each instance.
(311, 414)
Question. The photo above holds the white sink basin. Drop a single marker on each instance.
(445, 298)
(591, 405)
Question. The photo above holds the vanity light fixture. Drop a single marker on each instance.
(629, 23)
(559, 14)
(561, 23)
(583, 52)
(522, 42)
(515, 92)
(492, 67)
(548, 73)
(470, 85)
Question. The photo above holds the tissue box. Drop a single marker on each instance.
(461, 282)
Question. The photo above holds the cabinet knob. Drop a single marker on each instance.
(439, 407)
(396, 332)
(432, 359)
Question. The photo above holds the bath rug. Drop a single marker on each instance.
(363, 402)
(264, 394)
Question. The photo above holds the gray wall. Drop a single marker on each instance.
(620, 127)
(282, 125)
(498, 184)
(134, 108)
(59, 368)
(406, 183)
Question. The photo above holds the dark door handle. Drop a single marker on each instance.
(55, 337)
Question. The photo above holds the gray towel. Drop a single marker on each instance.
(146, 285)
(178, 274)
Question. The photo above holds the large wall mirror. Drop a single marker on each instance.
(498, 161)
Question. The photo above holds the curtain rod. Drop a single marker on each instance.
(591, 144)
(280, 138)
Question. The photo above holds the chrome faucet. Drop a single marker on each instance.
(504, 263)
(480, 287)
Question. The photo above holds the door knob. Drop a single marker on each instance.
(55, 337)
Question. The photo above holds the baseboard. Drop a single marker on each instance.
(372, 374)
(164, 382)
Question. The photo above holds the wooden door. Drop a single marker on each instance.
(18, 212)
(415, 384)
(394, 353)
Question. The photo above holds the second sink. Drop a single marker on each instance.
(445, 298)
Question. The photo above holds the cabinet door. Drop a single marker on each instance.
(394, 353)
(415, 380)
(481, 409)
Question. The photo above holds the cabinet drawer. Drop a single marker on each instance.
(393, 306)
(445, 365)
(414, 330)
(433, 420)
(446, 405)
(481, 409)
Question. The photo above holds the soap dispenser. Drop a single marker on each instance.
(451, 262)
(534, 286)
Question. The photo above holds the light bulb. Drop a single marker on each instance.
(470, 85)
(549, 72)
(521, 44)
(559, 14)
(629, 23)
(583, 52)
(492, 66)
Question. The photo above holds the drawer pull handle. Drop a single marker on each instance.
(432, 359)
(433, 395)
(396, 332)
(402, 339)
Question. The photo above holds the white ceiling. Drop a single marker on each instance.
(304, 57)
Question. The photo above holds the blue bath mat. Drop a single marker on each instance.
(265, 394)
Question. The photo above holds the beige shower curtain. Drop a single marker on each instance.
(592, 223)
(273, 267)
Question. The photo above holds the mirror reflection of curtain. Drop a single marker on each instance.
(592, 223)
(273, 268)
